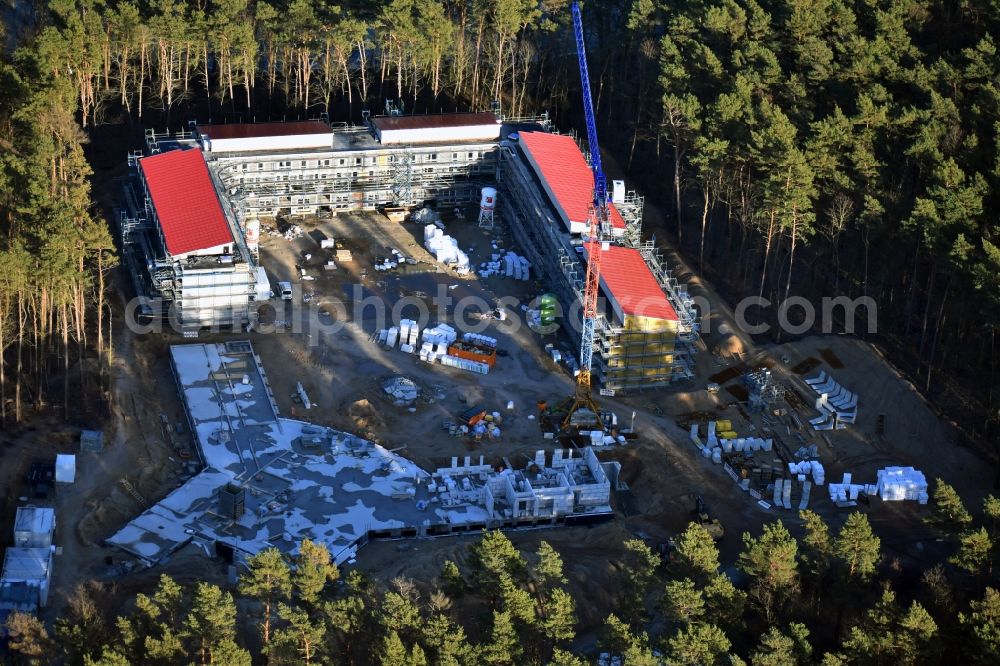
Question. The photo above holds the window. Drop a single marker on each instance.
(434, 157)
(371, 173)
(454, 156)
(326, 162)
(303, 163)
(341, 161)
(357, 161)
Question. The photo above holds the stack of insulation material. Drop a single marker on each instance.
(802, 470)
(713, 440)
(508, 264)
(435, 342)
(846, 490)
(444, 248)
(408, 332)
(901, 483)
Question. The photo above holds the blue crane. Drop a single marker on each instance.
(584, 412)
(600, 183)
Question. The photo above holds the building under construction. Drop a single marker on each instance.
(646, 330)
(190, 214)
(190, 218)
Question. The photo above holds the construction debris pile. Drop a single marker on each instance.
(393, 260)
(837, 406)
(477, 423)
(291, 233)
(402, 390)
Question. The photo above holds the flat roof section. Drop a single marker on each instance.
(185, 200)
(257, 130)
(631, 284)
(35, 519)
(27, 564)
(434, 120)
(561, 166)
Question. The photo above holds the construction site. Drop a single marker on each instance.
(388, 337)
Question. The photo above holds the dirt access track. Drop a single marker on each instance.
(341, 370)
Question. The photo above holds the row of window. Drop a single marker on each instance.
(344, 161)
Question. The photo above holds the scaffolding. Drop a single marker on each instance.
(358, 174)
(626, 357)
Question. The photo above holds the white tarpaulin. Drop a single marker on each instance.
(65, 468)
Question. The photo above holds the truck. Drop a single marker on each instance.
(263, 288)
(285, 289)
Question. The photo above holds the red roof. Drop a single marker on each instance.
(186, 204)
(257, 130)
(631, 284)
(563, 168)
(433, 120)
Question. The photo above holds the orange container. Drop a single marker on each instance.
(474, 353)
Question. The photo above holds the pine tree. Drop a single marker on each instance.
(210, 624)
(724, 603)
(635, 577)
(300, 642)
(683, 602)
(771, 563)
(451, 579)
(858, 547)
(975, 550)
(697, 557)
(982, 627)
(269, 581)
(108, 657)
(392, 652)
(313, 570)
(503, 648)
(549, 570)
(491, 559)
(779, 649)
(950, 513)
(889, 633)
(618, 639)
(698, 645)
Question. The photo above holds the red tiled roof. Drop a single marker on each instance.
(186, 204)
(567, 174)
(631, 284)
(257, 130)
(431, 120)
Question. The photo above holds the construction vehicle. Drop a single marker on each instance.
(704, 518)
(582, 412)
(667, 550)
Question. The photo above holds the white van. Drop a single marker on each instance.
(286, 290)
